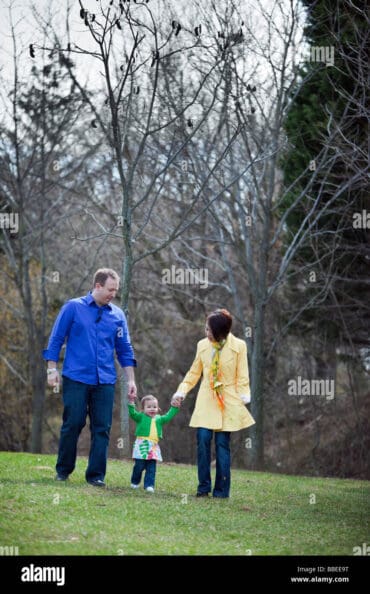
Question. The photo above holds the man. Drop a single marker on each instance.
(94, 328)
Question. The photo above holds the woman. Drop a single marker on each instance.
(224, 390)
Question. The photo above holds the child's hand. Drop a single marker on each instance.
(131, 399)
(176, 403)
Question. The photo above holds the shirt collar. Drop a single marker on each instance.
(90, 300)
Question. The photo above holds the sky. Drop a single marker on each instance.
(34, 20)
(29, 16)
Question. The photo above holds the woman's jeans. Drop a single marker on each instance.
(79, 401)
(222, 442)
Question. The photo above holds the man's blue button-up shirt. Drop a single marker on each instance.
(93, 334)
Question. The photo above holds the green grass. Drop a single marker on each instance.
(267, 514)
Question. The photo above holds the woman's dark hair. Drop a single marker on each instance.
(220, 322)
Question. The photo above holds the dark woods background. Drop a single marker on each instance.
(223, 143)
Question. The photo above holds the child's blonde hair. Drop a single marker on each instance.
(146, 399)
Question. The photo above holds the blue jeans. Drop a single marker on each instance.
(79, 401)
(222, 442)
(149, 466)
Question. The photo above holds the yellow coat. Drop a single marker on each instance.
(235, 378)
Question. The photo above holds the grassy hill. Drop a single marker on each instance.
(267, 514)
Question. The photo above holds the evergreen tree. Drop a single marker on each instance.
(327, 130)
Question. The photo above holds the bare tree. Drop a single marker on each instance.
(147, 105)
(35, 177)
(252, 216)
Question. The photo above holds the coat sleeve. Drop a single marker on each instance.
(242, 374)
(192, 376)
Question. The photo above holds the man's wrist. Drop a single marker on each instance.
(51, 370)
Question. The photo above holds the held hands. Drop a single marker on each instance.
(131, 399)
(132, 391)
(177, 399)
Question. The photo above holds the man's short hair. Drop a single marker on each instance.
(102, 274)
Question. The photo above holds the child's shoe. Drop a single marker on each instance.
(149, 489)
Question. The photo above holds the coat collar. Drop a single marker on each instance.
(206, 344)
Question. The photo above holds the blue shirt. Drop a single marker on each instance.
(93, 333)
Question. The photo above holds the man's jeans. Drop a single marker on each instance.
(222, 442)
(79, 401)
(149, 466)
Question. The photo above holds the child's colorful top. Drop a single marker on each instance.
(149, 432)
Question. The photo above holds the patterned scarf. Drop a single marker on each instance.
(215, 375)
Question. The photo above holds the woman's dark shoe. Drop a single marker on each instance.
(202, 494)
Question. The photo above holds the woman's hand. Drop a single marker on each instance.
(177, 399)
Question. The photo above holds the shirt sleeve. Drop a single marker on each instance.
(60, 332)
(124, 350)
(242, 375)
(192, 376)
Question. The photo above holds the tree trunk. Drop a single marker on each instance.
(37, 331)
(36, 373)
(257, 383)
(37, 370)
(126, 283)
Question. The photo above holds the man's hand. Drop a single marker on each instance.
(53, 378)
(131, 399)
(129, 376)
(132, 390)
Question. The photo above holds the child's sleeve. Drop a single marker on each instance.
(134, 414)
(169, 415)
